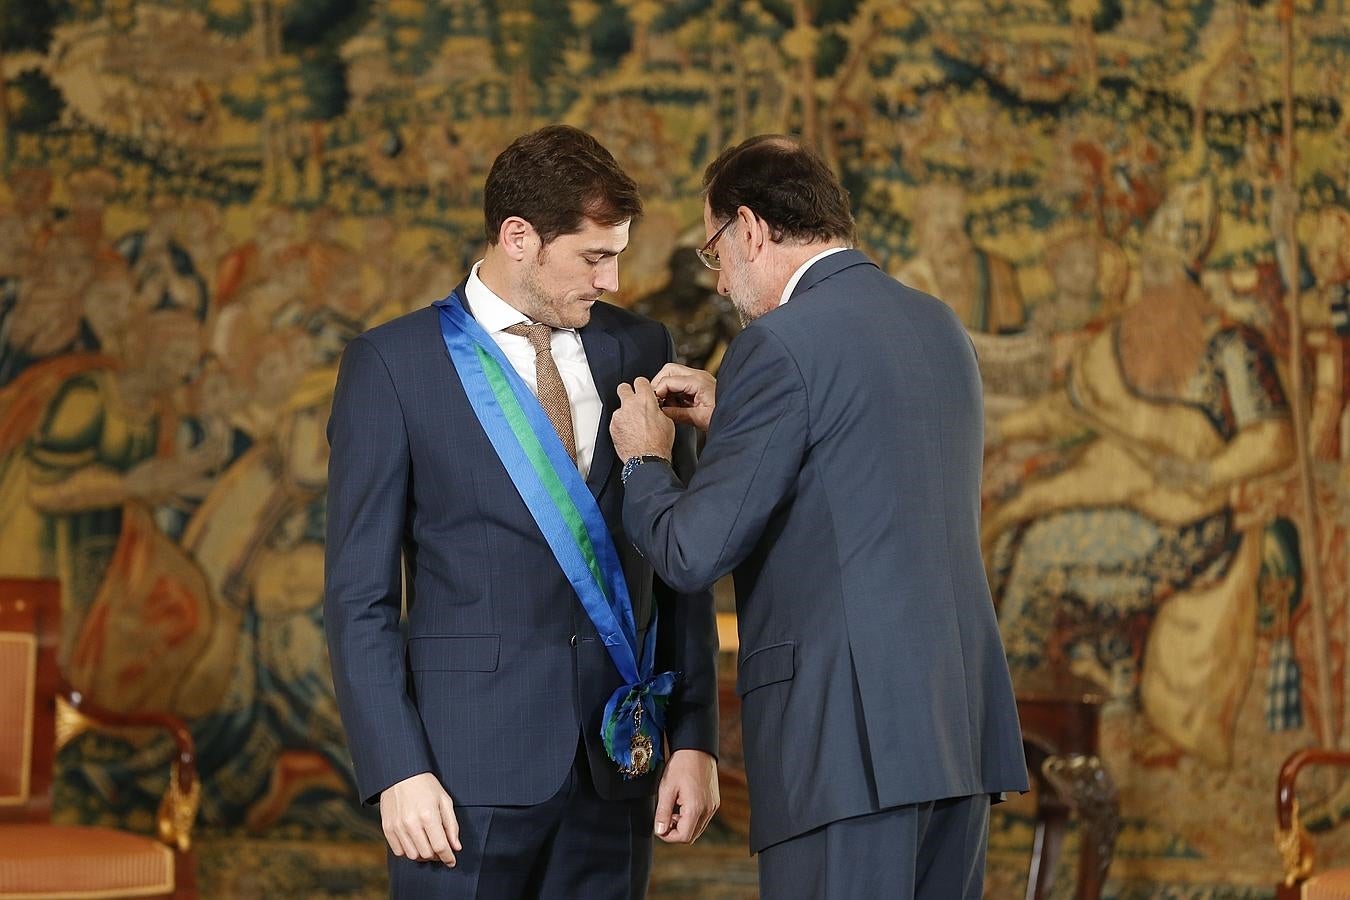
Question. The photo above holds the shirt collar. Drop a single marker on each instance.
(491, 311)
(801, 270)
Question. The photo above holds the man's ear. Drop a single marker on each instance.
(515, 236)
(753, 230)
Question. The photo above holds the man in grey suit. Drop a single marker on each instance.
(511, 729)
(840, 483)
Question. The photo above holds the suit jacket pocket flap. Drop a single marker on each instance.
(767, 665)
(454, 653)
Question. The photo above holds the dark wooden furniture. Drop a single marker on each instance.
(38, 715)
(1059, 717)
(1300, 881)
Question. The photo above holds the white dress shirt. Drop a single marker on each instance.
(801, 270)
(495, 314)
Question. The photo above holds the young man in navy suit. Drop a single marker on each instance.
(551, 704)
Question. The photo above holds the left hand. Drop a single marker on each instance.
(689, 395)
(639, 427)
(687, 798)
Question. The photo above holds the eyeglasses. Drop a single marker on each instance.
(707, 254)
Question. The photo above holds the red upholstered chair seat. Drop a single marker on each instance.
(38, 715)
(75, 860)
(1333, 884)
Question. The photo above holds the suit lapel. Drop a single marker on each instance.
(604, 354)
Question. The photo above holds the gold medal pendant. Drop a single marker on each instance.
(640, 747)
(642, 755)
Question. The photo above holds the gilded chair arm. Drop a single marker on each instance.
(178, 808)
(1291, 839)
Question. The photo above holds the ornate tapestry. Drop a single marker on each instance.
(1139, 209)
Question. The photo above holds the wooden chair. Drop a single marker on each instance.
(1300, 882)
(1059, 715)
(38, 715)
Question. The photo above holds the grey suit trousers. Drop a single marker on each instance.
(922, 851)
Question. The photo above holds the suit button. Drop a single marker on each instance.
(573, 640)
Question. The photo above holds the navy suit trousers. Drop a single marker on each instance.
(574, 845)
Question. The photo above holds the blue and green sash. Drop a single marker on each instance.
(571, 522)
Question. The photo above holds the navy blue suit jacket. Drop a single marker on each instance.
(497, 671)
(841, 482)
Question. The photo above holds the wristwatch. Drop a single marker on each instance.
(634, 461)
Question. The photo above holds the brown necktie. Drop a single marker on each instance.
(549, 384)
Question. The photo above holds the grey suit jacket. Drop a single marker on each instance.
(840, 481)
(497, 670)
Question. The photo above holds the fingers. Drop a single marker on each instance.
(438, 839)
(690, 822)
(672, 834)
(675, 392)
(683, 814)
(414, 832)
(451, 823)
(639, 396)
(686, 825)
(687, 396)
(673, 370)
(424, 837)
(704, 821)
(664, 385)
(395, 842)
(690, 784)
(682, 415)
(638, 427)
(418, 819)
(665, 808)
(677, 379)
(643, 393)
(439, 826)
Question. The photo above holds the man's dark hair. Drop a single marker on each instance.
(785, 184)
(554, 178)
